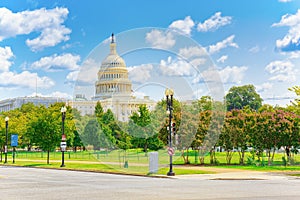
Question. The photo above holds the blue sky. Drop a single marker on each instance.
(45, 44)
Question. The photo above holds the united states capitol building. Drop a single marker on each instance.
(113, 89)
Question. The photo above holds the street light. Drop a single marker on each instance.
(169, 95)
(63, 145)
(5, 148)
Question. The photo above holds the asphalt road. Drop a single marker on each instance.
(42, 184)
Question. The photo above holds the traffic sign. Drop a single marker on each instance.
(63, 146)
(170, 151)
(14, 140)
(63, 137)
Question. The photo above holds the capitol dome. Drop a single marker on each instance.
(113, 59)
(112, 76)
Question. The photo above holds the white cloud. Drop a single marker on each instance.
(72, 76)
(160, 39)
(279, 67)
(264, 87)
(292, 54)
(87, 74)
(254, 49)
(283, 78)
(222, 59)
(282, 71)
(229, 74)
(139, 95)
(183, 26)
(291, 41)
(5, 55)
(49, 23)
(140, 73)
(58, 62)
(25, 79)
(284, 1)
(233, 74)
(198, 93)
(53, 94)
(190, 52)
(214, 22)
(197, 62)
(178, 67)
(282, 99)
(223, 44)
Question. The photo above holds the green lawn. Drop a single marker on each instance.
(138, 161)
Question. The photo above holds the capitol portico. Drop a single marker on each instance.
(113, 89)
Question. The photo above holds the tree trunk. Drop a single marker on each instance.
(182, 155)
(259, 154)
(269, 156)
(229, 155)
(28, 147)
(187, 156)
(288, 154)
(146, 147)
(242, 156)
(48, 156)
(212, 156)
(273, 153)
(201, 157)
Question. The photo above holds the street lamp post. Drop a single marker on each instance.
(63, 137)
(6, 130)
(169, 96)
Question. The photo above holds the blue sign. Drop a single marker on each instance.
(14, 140)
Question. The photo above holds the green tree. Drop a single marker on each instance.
(240, 96)
(99, 110)
(142, 127)
(267, 133)
(295, 107)
(69, 123)
(2, 137)
(227, 140)
(46, 130)
(209, 129)
(77, 141)
(91, 134)
(162, 118)
(289, 132)
(240, 126)
(186, 131)
(205, 103)
(31, 112)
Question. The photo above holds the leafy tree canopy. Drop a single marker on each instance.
(240, 96)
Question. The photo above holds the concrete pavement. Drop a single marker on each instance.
(30, 183)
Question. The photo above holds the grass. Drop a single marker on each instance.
(113, 162)
(180, 171)
(262, 168)
(297, 175)
(98, 167)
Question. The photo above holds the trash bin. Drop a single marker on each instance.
(126, 164)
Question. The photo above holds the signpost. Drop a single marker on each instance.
(14, 143)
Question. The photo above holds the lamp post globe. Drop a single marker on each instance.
(6, 137)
